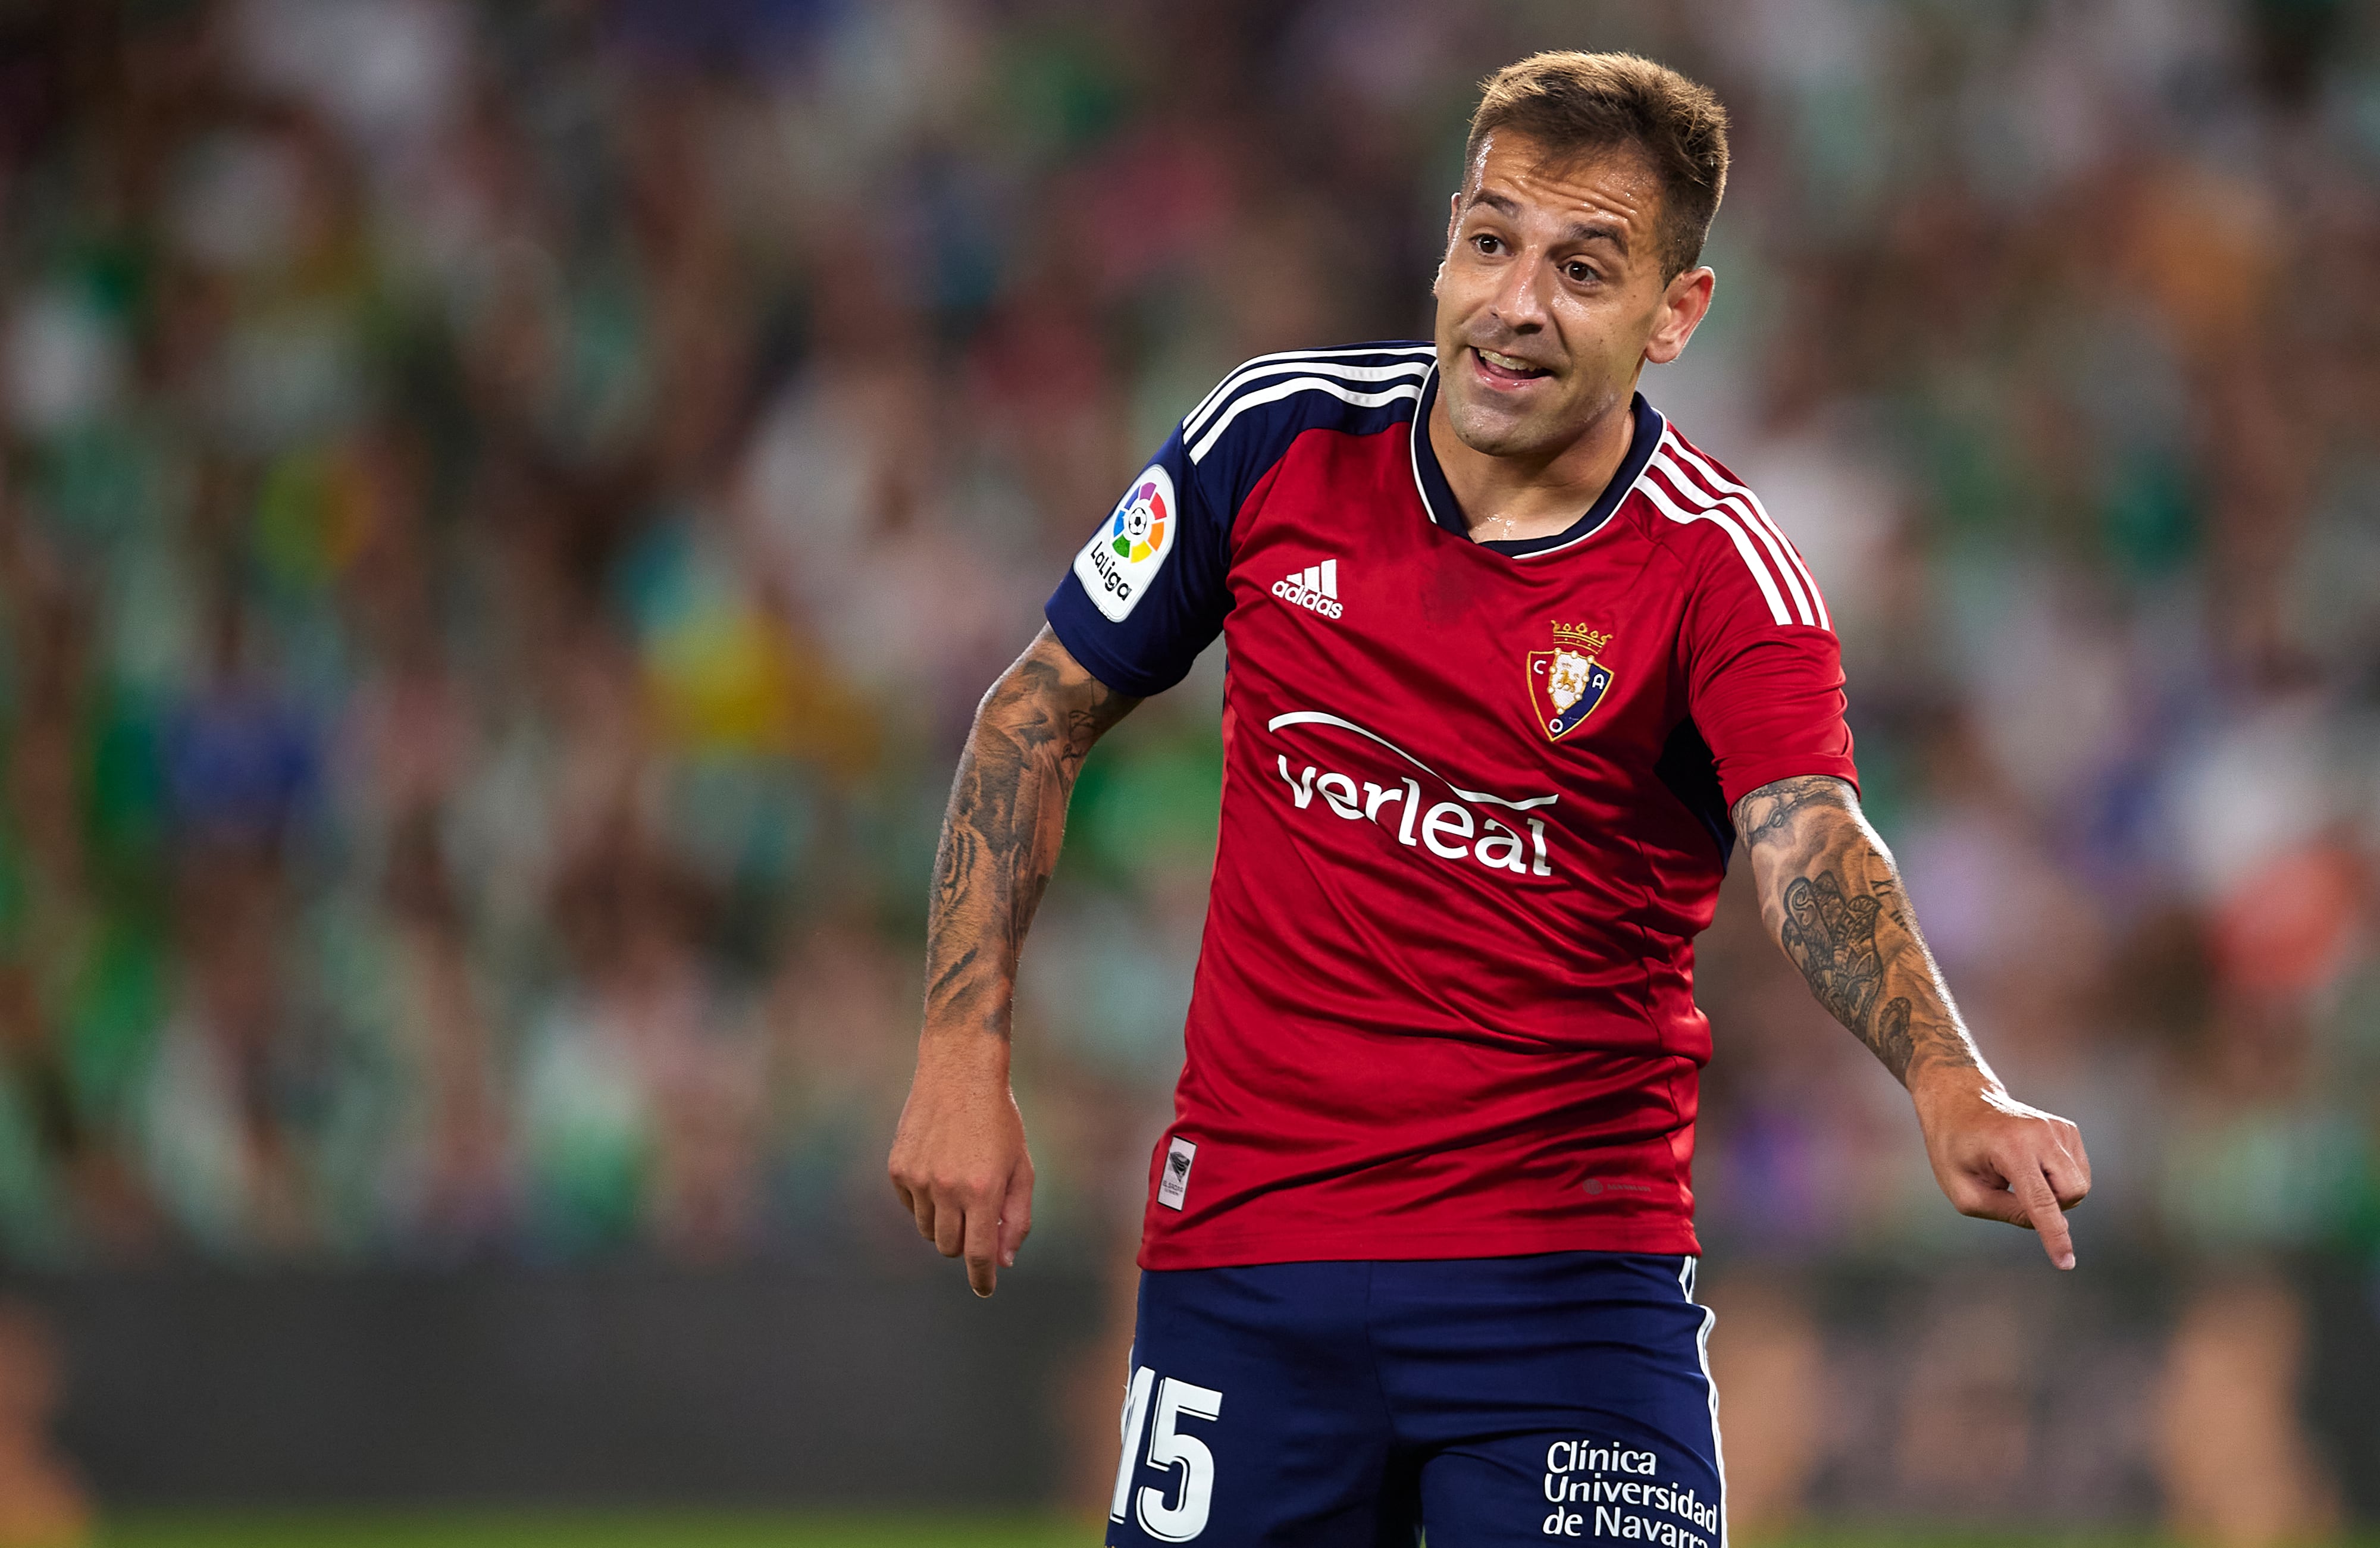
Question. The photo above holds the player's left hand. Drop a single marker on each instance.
(1999, 1159)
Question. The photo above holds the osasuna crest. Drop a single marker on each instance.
(1567, 683)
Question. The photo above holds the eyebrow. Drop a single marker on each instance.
(1577, 231)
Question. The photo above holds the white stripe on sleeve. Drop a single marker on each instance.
(1695, 494)
(1288, 361)
(1725, 523)
(1290, 389)
(1718, 481)
(1410, 370)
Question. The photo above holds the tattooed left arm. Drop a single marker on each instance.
(1831, 898)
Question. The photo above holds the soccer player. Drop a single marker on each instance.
(1514, 667)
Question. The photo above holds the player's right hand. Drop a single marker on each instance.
(959, 1161)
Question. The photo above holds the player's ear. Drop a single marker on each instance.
(1453, 219)
(1685, 301)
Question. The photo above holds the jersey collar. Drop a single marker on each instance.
(1438, 495)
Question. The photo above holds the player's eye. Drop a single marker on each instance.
(1578, 274)
(1486, 242)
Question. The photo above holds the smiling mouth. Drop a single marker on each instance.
(1505, 370)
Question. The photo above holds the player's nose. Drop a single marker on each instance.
(1520, 302)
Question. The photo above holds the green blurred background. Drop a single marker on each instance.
(505, 510)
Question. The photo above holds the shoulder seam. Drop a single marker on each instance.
(1410, 391)
(1333, 361)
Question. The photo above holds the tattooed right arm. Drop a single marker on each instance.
(1832, 898)
(1001, 833)
(959, 1161)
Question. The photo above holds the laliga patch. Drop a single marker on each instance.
(1174, 1181)
(1124, 555)
(1567, 683)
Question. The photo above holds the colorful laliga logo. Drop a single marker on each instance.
(1127, 550)
(1567, 683)
(1138, 530)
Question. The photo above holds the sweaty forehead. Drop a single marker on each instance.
(1615, 185)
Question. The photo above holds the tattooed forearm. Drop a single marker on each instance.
(1833, 938)
(1001, 835)
(1765, 816)
(1892, 1043)
(1832, 898)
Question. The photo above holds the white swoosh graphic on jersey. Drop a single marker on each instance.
(1317, 717)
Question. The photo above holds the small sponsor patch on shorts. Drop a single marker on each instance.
(1174, 1181)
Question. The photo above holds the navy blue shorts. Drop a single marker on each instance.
(1493, 1401)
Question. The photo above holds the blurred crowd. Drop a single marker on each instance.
(507, 510)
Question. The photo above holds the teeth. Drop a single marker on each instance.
(1505, 361)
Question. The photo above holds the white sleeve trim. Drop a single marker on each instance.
(1290, 389)
(1291, 360)
(1722, 482)
(1725, 523)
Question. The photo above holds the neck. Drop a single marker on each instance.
(1507, 498)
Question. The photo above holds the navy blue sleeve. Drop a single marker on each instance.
(1149, 591)
(1151, 588)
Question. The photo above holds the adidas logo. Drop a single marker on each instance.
(1315, 588)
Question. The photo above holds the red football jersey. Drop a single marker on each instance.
(1474, 812)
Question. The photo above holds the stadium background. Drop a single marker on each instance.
(507, 510)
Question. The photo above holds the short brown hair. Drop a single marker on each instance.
(1571, 102)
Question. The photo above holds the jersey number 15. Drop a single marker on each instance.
(1169, 1449)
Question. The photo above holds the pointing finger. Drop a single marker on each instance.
(2033, 1190)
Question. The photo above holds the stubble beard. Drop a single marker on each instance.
(1494, 432)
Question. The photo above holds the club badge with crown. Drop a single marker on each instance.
(1567, 682)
